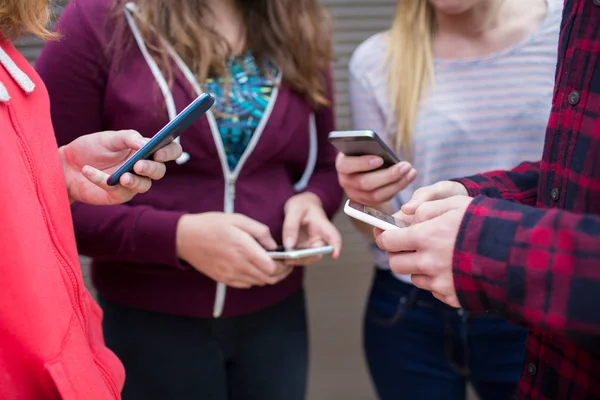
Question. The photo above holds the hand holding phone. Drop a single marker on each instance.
(228, 248)
(166, 135)
(364, 143)
(372, 216)
(365, 168)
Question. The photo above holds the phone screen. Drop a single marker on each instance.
(374, 213)
(379, 215)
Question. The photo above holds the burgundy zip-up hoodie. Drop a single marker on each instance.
(94, 86)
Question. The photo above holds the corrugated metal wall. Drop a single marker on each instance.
(355, 20)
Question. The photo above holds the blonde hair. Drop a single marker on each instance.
(19, 17)
(410, 66)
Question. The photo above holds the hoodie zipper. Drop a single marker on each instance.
(107, 378)
(232, 176)
(67, 267)
(229, 176)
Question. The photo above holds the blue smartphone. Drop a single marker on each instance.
(166, 135)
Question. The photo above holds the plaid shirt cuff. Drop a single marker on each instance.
(471, 186)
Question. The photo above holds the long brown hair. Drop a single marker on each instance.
(18, 17)
(293, 34)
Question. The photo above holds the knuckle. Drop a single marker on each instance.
(264, 230)
(161, 171)
(145, 185)
(339, 162)
(420, 267)
(363, 182)
(437, 286)
(377, 196)
(272, 280)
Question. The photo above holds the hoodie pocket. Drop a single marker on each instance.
(61, 380)
(78, 373)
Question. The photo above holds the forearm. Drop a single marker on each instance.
(135, 234)
(534, 266)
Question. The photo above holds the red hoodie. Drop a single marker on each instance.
(51, 344)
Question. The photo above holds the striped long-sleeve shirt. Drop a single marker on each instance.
(481, 114)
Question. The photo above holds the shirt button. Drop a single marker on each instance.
(555, 193)
(574, 95)
(531, 368)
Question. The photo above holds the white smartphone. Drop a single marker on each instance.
(282, 254)
(371, 216)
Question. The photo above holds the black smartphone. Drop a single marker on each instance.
(166, 135)
(362, 143)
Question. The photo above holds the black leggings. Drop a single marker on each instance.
(260, 356)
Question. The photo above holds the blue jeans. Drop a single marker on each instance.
(419, 348)
(259, 356)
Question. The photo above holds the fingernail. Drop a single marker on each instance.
(288, 243)
(142, 141)
(403, 169)
(142, 168)
(127, 179)
(375, 162)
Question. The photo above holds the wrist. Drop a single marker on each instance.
(180, 235)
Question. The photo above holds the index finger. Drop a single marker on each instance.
(170, 152)
(122, 140)
(352, 165)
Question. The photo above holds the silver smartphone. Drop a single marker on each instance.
(362, 143)
(281, 254)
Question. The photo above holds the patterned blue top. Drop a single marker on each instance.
(239, 112)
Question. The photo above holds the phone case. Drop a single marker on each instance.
(166, 135)
(360, 143)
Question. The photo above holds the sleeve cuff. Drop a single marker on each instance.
(156, 236)
(472, 189)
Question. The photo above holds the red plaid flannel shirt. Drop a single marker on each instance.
(541, 266)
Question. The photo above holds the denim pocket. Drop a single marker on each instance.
(389, 300)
